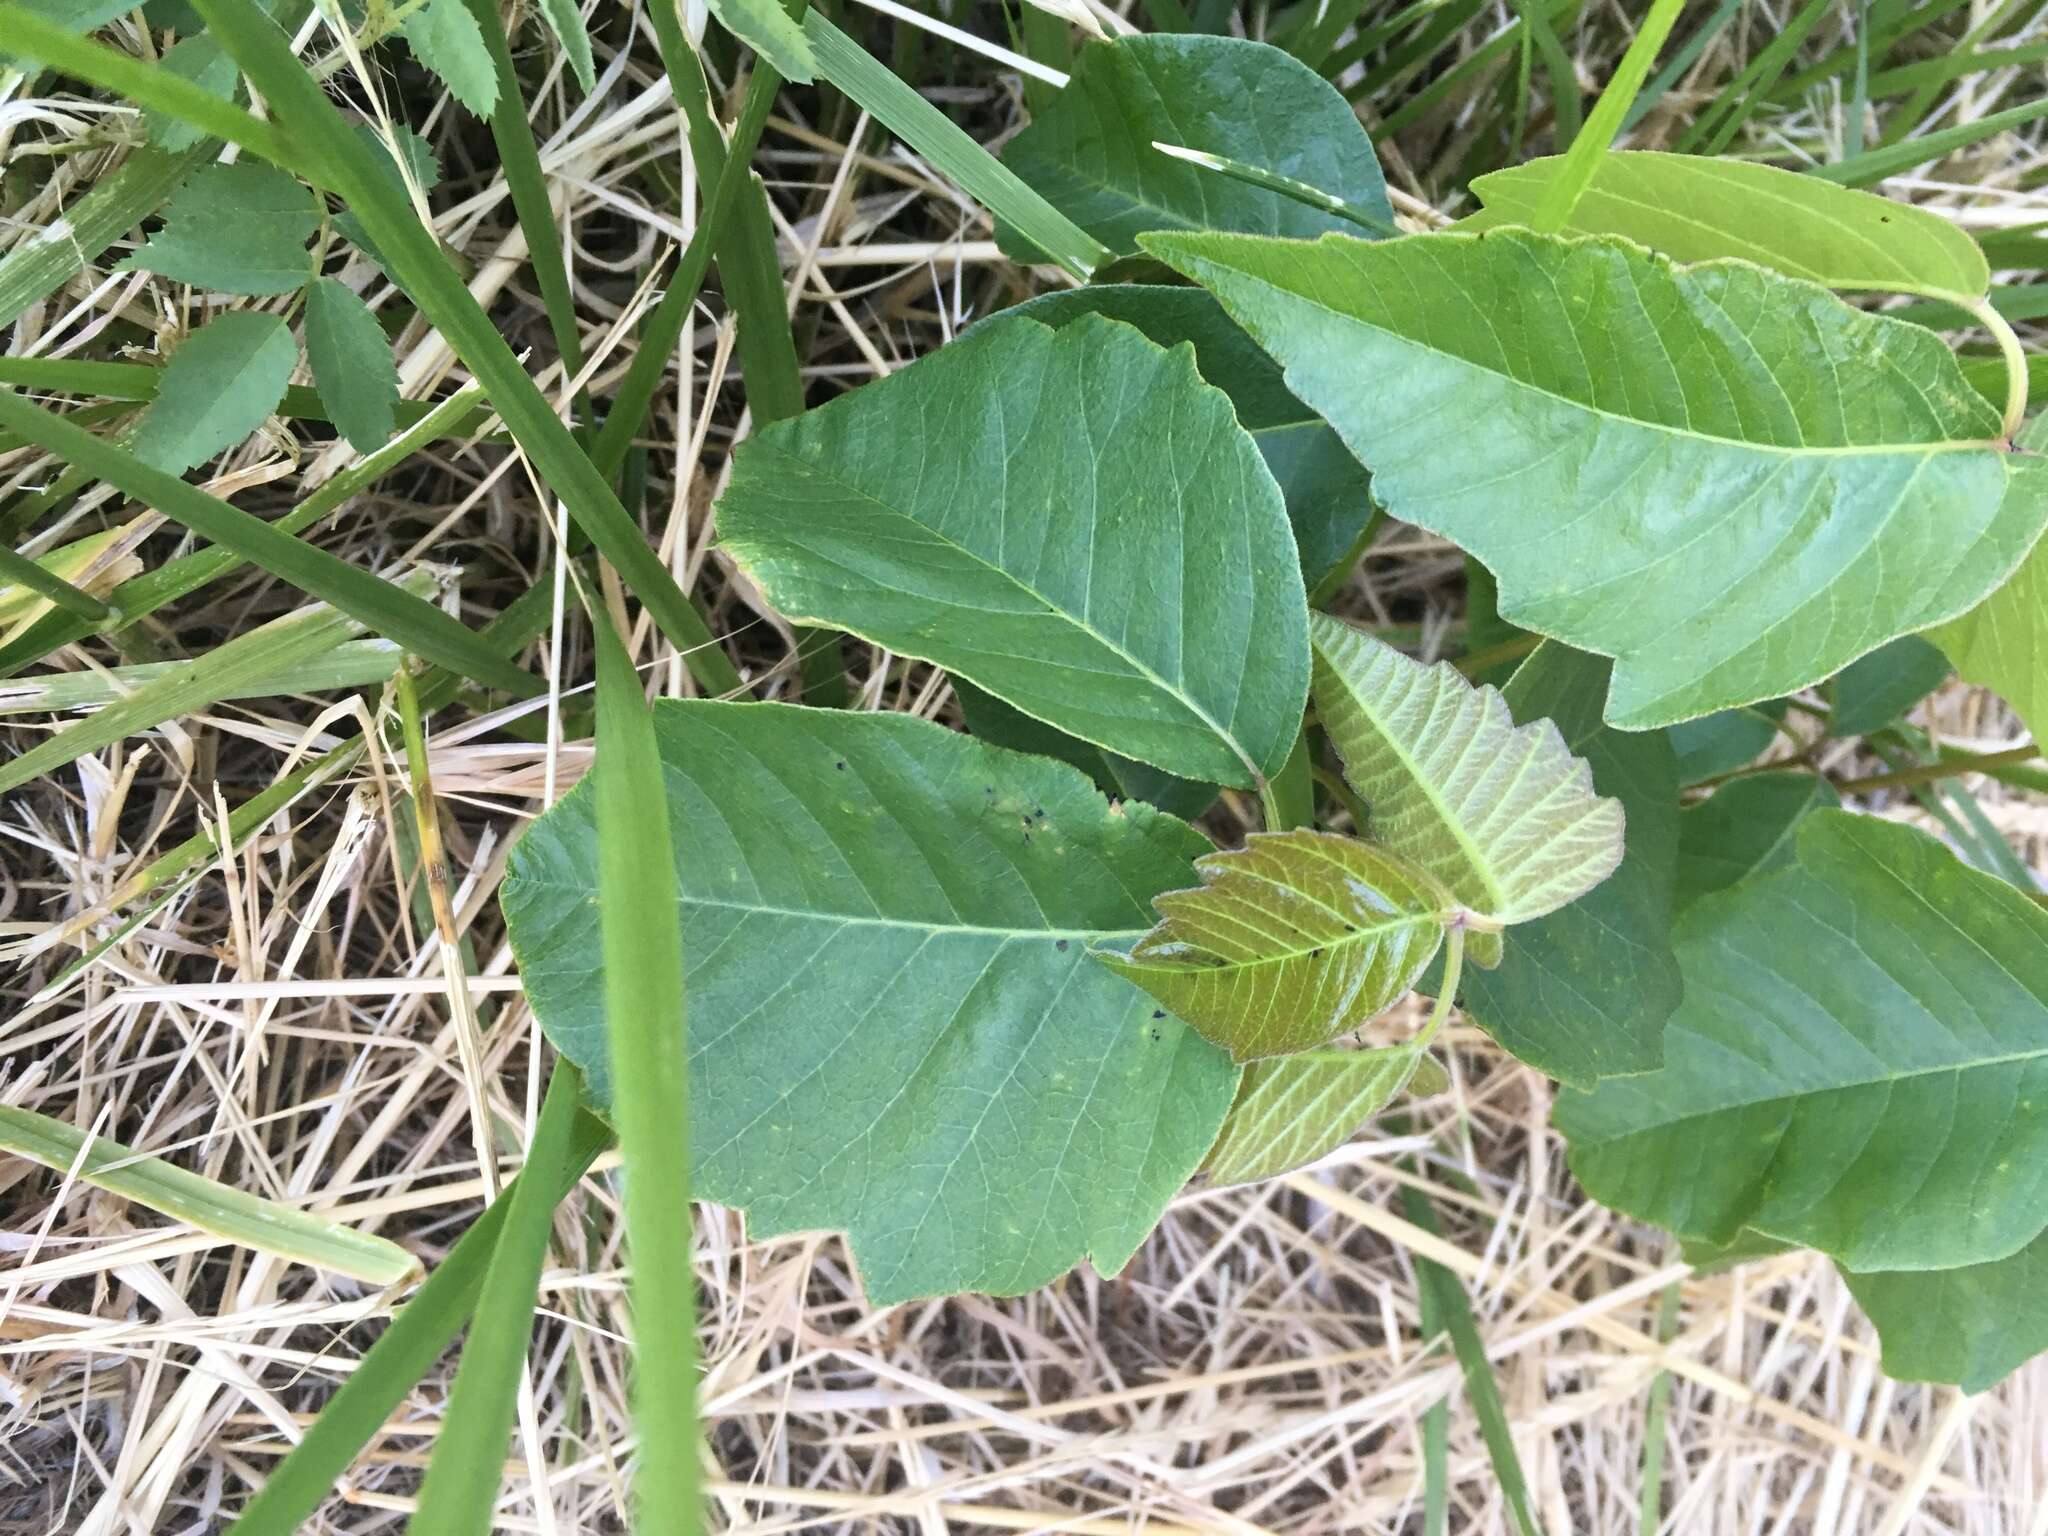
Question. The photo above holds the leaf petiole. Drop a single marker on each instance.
(1454, 967)
(2001, 330)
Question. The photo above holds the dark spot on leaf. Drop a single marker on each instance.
(1158, 1013)
(840, 765)
(1060, 945)
(1315, 954)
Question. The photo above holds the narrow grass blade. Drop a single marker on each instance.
(460, 1491)
(1564, 80)
(1655, 1418)
(1874, 165)
(407, 1349)
(348, 664)
(1480, 1386)
(20, 571)
(380, 606)
(1587, 150)
(641, 929)
(1688, 53)
(220, 1209)
(932, 134)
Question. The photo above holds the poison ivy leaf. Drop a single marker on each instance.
(768, 29)
(219, 386)
(1874, 690)
(1973, 1325)
(352, 365)
(1501, 814)
(1290, 941)
(239, 228)
(1585, 992)
(1291, 1110)
(1090, 152)
(1328, 493)
(1860, 1064)
(1070, 519)
(1746, 827)
(989, 718)
(565, 20)
(1670, 466)
(1726, 740)
(205, 64)
(895, 1027)
(1694, 208)
(445, 38)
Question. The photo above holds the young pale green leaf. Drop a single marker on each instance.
(1695, 208)
(446, 39)
(1291, 1110)
(1501, 814)
(351, 360)
(206, 64)
(1072, 519)
(1874, 690)
(220, 385)
(1090, 152)
(1328, 493)
(1973, 1325)
(895, 1026)
(239, 228)
(1664, 465)
(219, 1209)
(1584, 992)
(767, 28)
(565, 20)
(1749, 826)
(1121, 778)
(1290, 941)
(1860, 1064)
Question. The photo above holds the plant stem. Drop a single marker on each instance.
(2015, 362)
(1454, 969)
(1927, 773)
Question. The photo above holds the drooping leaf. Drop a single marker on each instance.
(1291, 1110)
(565, 20)
(1290, 941)
(1749, 826)
(1721, 742)
(445, 38)
(1584, 993)
(1860, 1064)
(768, 29)
(1123, 778)
(1973, 1325)
(2002, 643)
(207, 65)
(219, 386)
(1665, 465)
(1874, 690)
(352, 366)
(1090, 152)
(239, 228)
(1502, 815)
(895, 1026)
(1696, 208)
(1070, 519)
(1328, 493)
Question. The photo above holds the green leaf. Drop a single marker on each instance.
(220, 385)
(767, 28)
(1874, 690)
(1860, 1064)
(1328, 493)
(1749, 826)
(1585, 992)
(352, 365)
(896, 1029)
(207, 65)
(1090, 152)
(1291, 1110)
(1726, 740)
(1037, 511)
(1694, 208)
(565, 20)
(1744, 1248)
(1290, 941)
(1502, 815)
(445, 38)
(1665, 465)
(239, 228)
(1973, 1325)
(215, 1208)
(1122, 778)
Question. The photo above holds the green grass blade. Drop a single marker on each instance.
(932, 134)
(1874, 165)
(349, 664)
(1564, 80)
(643, 981)
(1654, 1419)
(1939, 72)
(212, 1207)
(1584, 156)
(407, 1350)
(1681, 61)
(19, 571)
(1713, 129)
(460, 1492)
(379, 605)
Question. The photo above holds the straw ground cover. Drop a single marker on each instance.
(1430, 1325)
